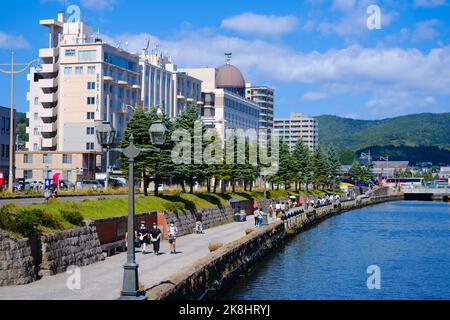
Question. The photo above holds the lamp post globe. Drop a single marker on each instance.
(106, 135)
(158, 131)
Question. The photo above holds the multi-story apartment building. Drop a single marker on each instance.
(225, 105)
(264, 97)
(298, 127)
(166, 87)
(83, 82)
(5, 116)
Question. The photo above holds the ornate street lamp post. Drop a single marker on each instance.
(157, 133)
(106, 136)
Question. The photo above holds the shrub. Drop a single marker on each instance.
(214, 246)
(73, 217)
(249, 230)
(27, 222)
(7, 214)
(50, 221)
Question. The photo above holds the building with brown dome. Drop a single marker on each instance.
(225, 104)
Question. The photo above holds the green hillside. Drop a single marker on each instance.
(415, 130)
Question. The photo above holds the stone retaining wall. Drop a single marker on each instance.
(218, 270)
(79, 247)
(212, 217)
(16, 261)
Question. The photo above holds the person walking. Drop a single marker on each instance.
(271, 211)
(199, 222)
(255, 214)
(156, 235)
(143, 237)
(173, 231)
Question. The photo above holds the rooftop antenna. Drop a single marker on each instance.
(228, 53)
(145, 49)
(228, 56)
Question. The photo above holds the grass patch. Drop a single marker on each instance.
(214, 246)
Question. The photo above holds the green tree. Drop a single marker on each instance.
(150, 165)
(334, 165)
(355, 171)
(302, 166)
(192, 172)
(320, 168)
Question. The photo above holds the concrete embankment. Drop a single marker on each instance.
(218, 271)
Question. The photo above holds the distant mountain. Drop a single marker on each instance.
(421, 130)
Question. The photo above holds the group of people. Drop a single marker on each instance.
(322, 201)
(154, 236)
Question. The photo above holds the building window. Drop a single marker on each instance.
(90, 146)
(90, 100)
(87, 55)
(28, 158)
(35, 147)
(78, 70)
(91, 86)
(28, 175)
(36, 116)
(70, 53)
(36, 131)
(90, 116)
(47, 159)
(36, 101)
(67, 159)
(91, 70)
(90, 131)
(67, 70)
(67, 175)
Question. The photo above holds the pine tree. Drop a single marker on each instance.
(320, 168)
(334, 165)
(192, 172)
(302, 166)
(154, 164)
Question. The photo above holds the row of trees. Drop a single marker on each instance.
(296, 169)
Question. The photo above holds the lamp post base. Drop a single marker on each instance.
(131, 282)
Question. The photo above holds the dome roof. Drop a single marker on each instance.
(228, 76)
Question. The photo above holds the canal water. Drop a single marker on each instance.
(408, 241)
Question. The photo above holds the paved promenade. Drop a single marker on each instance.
(103, 281)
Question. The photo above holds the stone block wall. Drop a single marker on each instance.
(79, 247)
(16, 261)
(220, 269)
(215, 216)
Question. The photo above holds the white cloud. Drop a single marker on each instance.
(315, 96)
(353, 70)
(262, 25)
(352, 18)
(425, 30)
(8, 41)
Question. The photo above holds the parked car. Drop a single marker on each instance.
(66, 185)
(92, 184)
(35, 185)
(17, 186)
(115, 183)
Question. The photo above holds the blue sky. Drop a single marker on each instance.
(319, 55)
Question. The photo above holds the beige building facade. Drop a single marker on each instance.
(298, 127)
